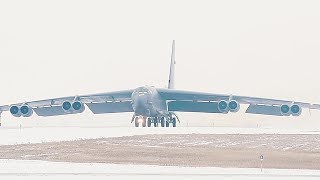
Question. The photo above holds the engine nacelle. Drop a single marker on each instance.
(66, 106)
(26, 111)
(78, 106)
(223, 106)
(295, 110)
(234, 106)
(15, 111)
(285, 110)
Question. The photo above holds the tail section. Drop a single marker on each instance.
(172, 67)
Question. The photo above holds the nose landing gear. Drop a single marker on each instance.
(140, 119)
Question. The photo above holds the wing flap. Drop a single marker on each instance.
(116, 107)
(189, 106)
(52, 111)
(264, 109)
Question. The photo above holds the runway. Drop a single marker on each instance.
(11, 168)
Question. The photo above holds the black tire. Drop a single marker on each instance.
(162, 122)
(174, 122)
(136, 123)
(155, 124)
(167, 124)
(149, 122)
(144, 122)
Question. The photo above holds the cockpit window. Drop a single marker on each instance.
(142, 90)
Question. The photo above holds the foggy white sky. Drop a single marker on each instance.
(255, 48)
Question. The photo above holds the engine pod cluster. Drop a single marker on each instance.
(226, 106)
(294, 110)
(23, 110)
(73, 107)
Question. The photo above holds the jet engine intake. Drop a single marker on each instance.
(66, 106)
(285, 110)
(223, 106)
(15, 111)
(296, 110)
(26, 111)
(78, 106)
(234, 106)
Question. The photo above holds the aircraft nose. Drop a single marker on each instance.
(140, 104)
(140, 100)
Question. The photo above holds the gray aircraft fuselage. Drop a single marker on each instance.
(147, 102)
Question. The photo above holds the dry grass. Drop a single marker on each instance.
(280, 151)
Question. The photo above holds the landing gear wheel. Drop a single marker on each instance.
(162, 121)
(144, 122)
(155, 124)
(174, 122)
(136, 122)
(149, 122)
(167, 124)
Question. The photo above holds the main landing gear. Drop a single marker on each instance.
(155, 121)
(172, 121)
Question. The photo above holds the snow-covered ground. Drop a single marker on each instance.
(30, 169)
(47, 134)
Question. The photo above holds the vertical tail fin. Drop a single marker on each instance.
(172, 67)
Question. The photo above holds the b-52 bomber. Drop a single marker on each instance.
(157, 106)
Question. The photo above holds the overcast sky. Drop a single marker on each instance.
(255, 48)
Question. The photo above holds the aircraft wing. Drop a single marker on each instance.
(118, 101)
(189, 101)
